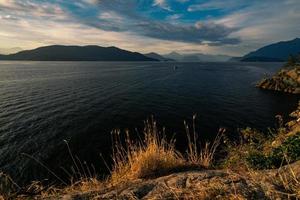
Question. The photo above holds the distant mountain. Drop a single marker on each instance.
(173, 55)
(235, 59)
(7, 51)
(197, 57)
(77, 53)
(274, 52)
(157, 57)
(213, 58)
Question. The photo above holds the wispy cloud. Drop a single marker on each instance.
(174, 17)
(162, 3)
(264, 21)
(136, 23)
(219, 5)
(217, 26)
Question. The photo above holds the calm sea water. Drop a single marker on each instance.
(44, 103)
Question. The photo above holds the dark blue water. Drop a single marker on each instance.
(44, 103)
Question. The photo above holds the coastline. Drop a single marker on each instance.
(242, 173)
(250, 167)
(286, 80)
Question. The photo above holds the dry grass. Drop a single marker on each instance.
(7, 186)
(145, 158)
(287, 182)
(201, 156)
(150, 157)
(281, 183)
(155, 155)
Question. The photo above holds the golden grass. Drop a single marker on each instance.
(282, 183)
(201, 156)
(150, 157)
(288, 180)
(145, 158)
(155, 155)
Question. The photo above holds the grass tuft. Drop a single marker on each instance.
(155, 155)
(197, 155)
(145, 158)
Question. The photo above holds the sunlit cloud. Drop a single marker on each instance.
(162, 3)
(216, 27)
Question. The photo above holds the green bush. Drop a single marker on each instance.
(288, 151)
(290, 148)
(258, 161)
(252, 136)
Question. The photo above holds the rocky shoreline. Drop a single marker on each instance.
(286, 80)
(235, 179)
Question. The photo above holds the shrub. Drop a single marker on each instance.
(258, 160)
(290, 148)
(252, 136)
(288, 151)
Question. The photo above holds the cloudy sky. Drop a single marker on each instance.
(232, 27)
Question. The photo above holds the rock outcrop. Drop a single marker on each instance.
(286, 80)
(206, 184)
(202, 184)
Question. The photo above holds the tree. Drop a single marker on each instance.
(298, 58)
(292, 60)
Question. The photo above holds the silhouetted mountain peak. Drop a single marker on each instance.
(157, 56)
(175, 53)
(279, 51)
(77, 53)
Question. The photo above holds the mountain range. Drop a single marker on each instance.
(279, 51)
(276, 52)
(158, 57)
(77, 53)
(97, 53)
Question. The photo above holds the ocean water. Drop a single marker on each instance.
(44, 103)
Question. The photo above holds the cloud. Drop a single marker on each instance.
(7, 17)
(262, 21)
(174, 17)
(93, 2)
(217, 26)
(24, 9)
(112, 11)
(162, 3)
(207, 32)
(218, 5)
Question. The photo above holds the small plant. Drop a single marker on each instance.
(289, 148)
(258, 160)
(287, 182)
(150, 157)
(7, 186)
(292, 60)
(289, 151)
(251, 136)
(201, 156)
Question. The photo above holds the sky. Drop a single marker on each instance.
(231, 27)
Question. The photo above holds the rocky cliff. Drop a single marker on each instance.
(286, 80)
